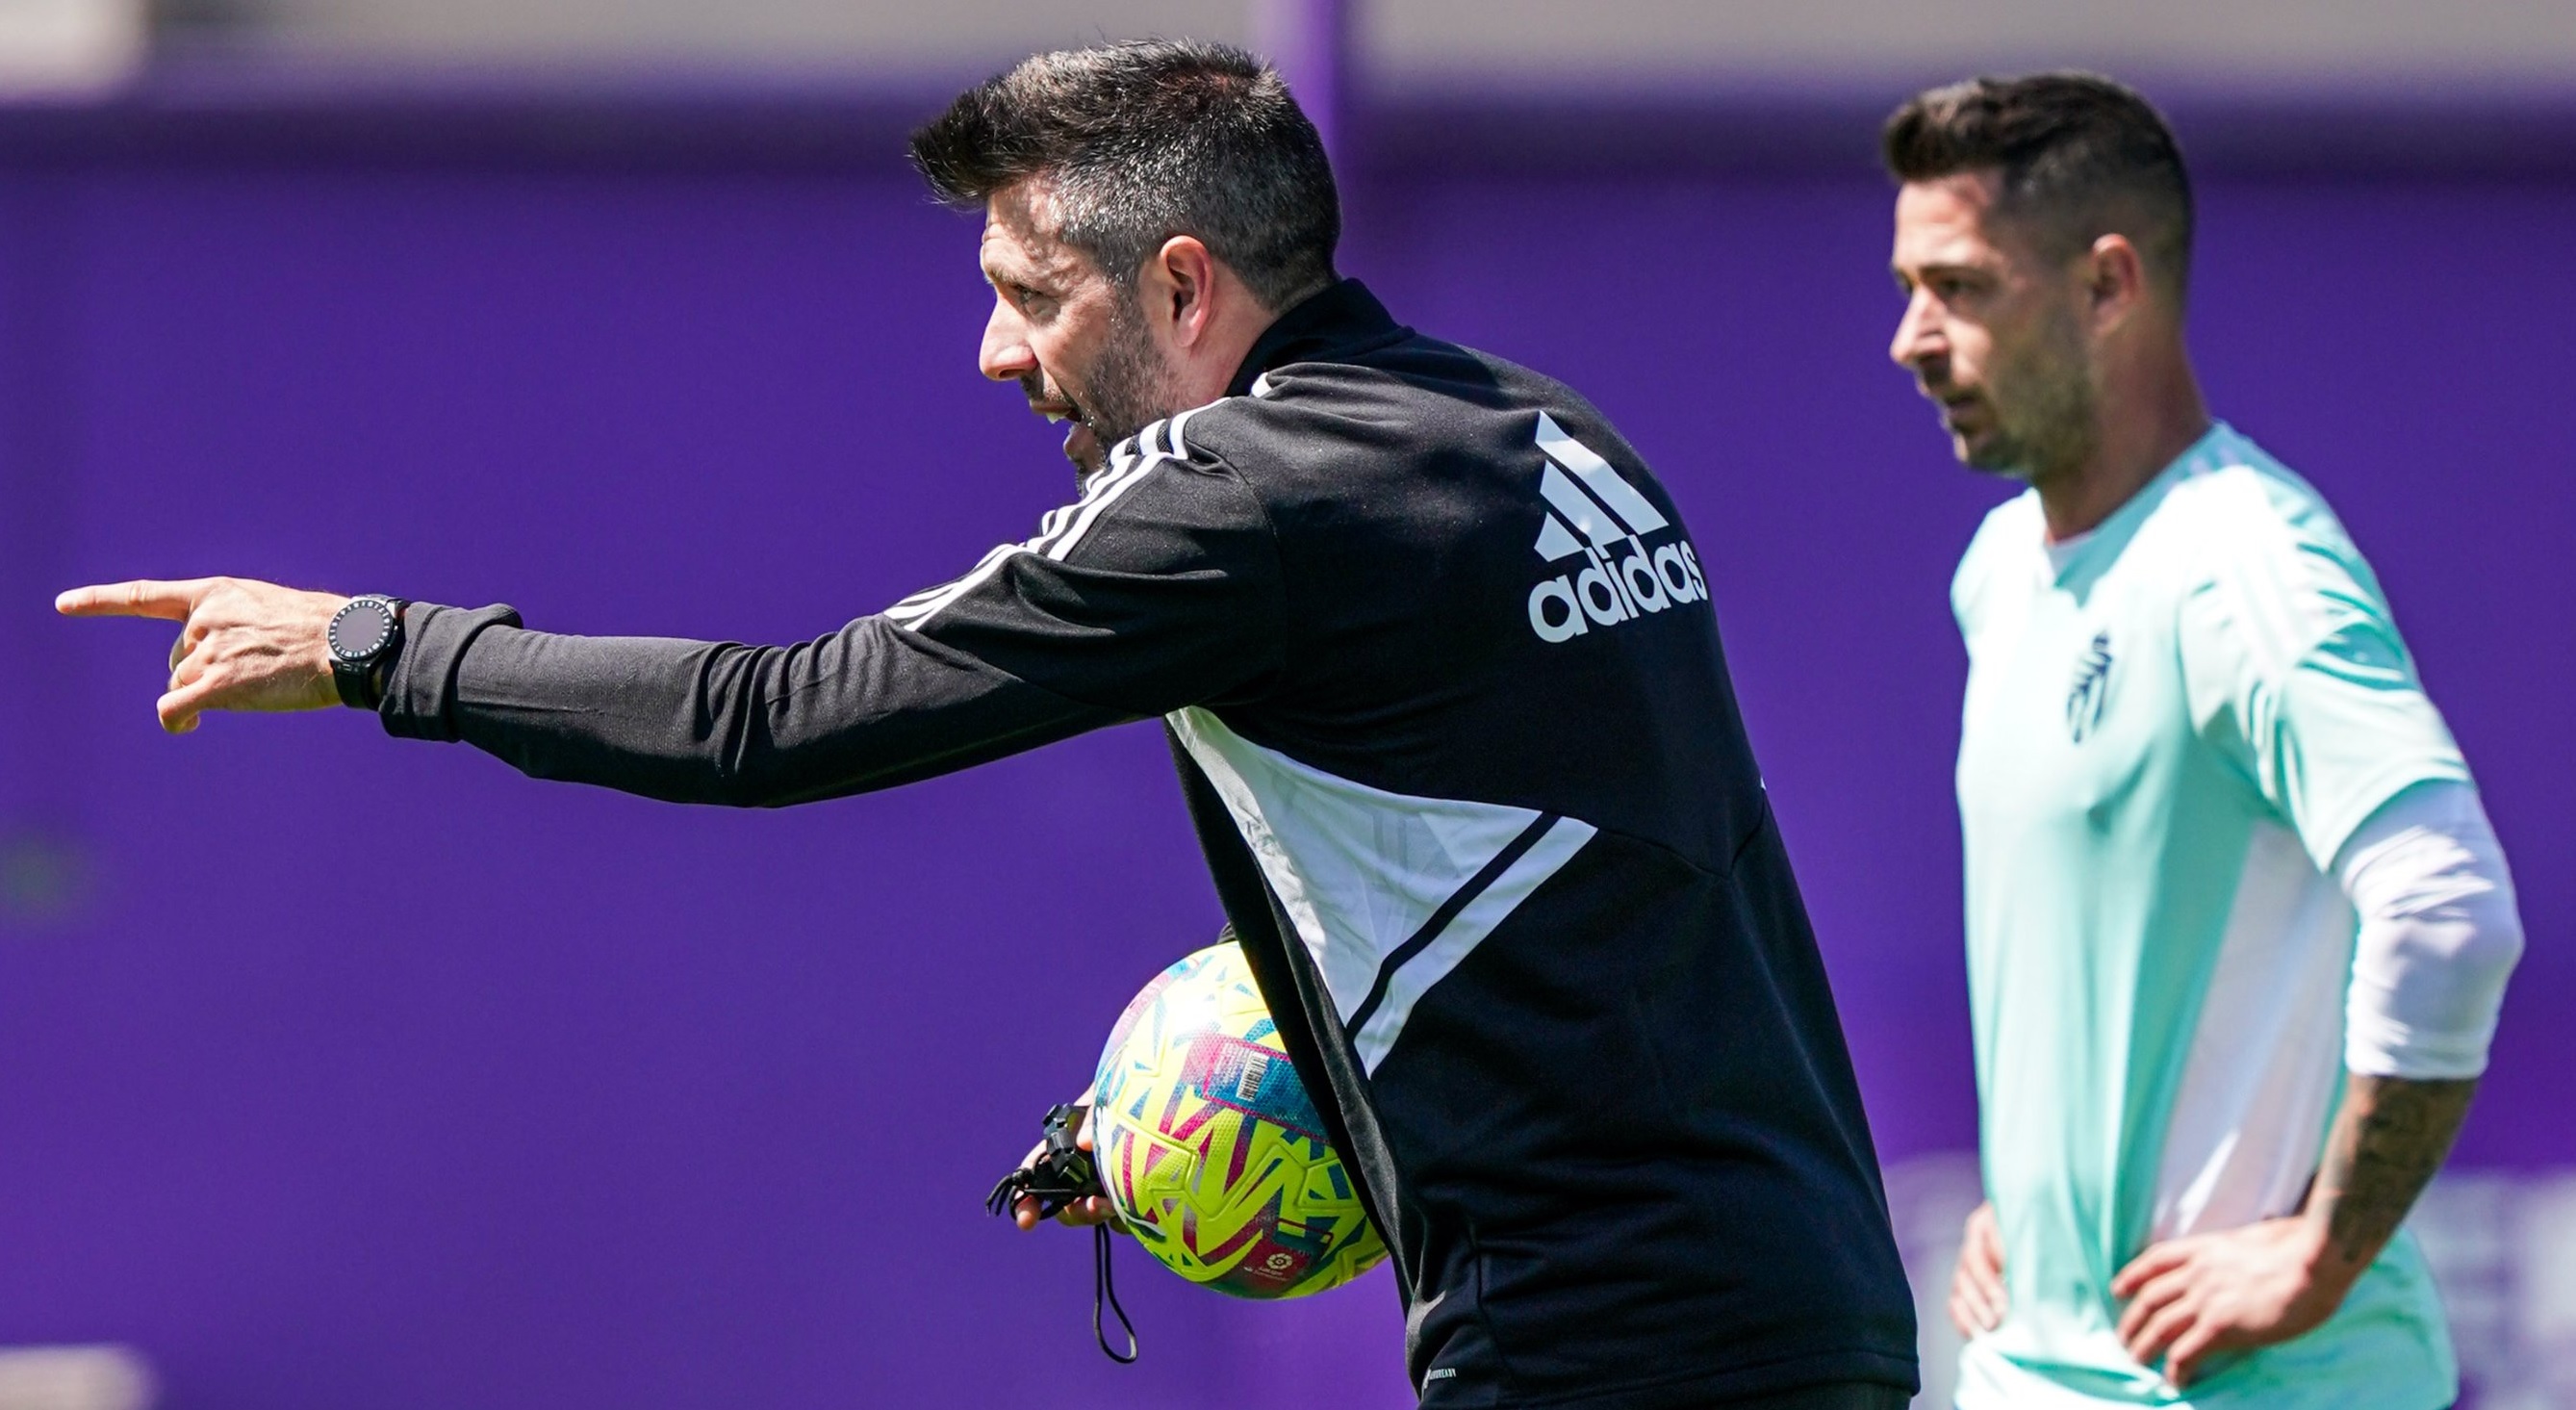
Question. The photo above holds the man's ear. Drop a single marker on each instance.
(2115, 281)
(1180, 288)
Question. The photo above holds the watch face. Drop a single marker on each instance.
(360, 630)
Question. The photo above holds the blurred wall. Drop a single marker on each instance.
(800, 32)
(2301, 42)
(588, 1102)
(2210, 42)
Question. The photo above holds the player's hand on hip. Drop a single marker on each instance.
(1977, 1285)
(243, 645)
(2229, 1291)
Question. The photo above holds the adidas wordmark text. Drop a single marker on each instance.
(1622, 579)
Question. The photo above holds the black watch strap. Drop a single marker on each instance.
(380, 676)
(352, 684)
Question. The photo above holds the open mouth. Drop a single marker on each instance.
(1080, 445)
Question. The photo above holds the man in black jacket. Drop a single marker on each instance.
(1444, 687)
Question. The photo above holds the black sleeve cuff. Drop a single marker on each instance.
(420, 695)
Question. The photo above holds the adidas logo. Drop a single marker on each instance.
(1594, 513)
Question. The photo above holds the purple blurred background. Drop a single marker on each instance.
(591, 1102)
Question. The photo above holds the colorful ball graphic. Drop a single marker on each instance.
(1210, 1147)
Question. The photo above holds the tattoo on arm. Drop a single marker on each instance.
(2386, 1143)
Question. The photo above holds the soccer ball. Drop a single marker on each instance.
(1210, 1148)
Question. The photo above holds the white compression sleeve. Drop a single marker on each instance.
(2439, 933)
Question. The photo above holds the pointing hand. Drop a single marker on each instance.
(243, 644)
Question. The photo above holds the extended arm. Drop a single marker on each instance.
(1160, 589)
(867, 707)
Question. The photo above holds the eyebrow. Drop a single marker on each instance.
(1939, 266)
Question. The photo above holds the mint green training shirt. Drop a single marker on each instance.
(2172, 725)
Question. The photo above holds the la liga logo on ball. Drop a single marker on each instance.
(1211, 1150)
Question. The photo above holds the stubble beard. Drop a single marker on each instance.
(1130, 383)
(2047, 429)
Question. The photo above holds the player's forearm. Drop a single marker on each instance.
(2439, 934)
(708, 722)
(2386, 1143)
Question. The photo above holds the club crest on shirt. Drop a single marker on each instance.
(2092, 687)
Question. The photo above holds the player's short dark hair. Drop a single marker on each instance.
(2079, 157)
(1146, 140)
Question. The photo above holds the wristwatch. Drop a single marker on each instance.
(365, 637)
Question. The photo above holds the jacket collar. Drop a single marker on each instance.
(1337, 322)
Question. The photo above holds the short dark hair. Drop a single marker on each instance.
(2079, 157)
(1146, 140)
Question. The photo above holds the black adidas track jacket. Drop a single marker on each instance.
(1440, 673)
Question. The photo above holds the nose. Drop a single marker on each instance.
(1006, 355)
(1917, 333)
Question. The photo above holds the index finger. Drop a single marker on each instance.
(2158, 1257)
(143, 597)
